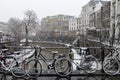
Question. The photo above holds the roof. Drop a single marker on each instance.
(94, 2)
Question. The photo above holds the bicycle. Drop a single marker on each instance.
(111, 63)
(34, 66)
(10, 63)
(87, 63)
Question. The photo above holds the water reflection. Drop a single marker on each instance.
(9, 77)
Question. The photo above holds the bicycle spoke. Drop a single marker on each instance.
(63, 67)
(34, 68)
(111, 66)
(90, 64)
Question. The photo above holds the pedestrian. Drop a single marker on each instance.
(88, 49)
(78, 43)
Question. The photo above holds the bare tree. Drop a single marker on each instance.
(15, 28)
(30, 20)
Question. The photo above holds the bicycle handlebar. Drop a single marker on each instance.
(39, 47)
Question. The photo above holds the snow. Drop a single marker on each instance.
(24, 54)
(77, 58)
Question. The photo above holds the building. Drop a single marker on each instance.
(75, 24)
(95, 16)
(105, 15)
(99, 20)
(79, 27)
(56, 23)
(115, 19)
(85, 14)
(5, 36)
(105, 20)
(3, 27)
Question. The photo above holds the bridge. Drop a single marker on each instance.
(62, 49)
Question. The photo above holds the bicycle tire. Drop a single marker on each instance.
(63, 63)
(12, 65)
(6, 62)
(18, 70)
(90, 64)
(34, 68)
(111, 66)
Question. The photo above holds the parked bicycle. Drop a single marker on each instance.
(87, 63)
(11, 64)
(111, 63)
(58, 64)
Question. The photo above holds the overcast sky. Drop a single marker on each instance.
(43, 8)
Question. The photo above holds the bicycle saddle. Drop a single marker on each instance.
(4, 50)
(16, 52)
(61, 55)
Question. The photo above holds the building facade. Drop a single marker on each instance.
(75, 24)
(95, 21)
(56, 23)
(86, 10)
(115, 19)
(99, 20)
(79, 27)
(105, 20)
(3, 27)
(105, 15)
(95, 16)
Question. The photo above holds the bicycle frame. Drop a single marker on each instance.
(113, 54)
(4, 66)
(41, 57)
(79, 62)
(79, 65)
(112, 62)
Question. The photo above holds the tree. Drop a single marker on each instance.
(30, 20)
(15, 28)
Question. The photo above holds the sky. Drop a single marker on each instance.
(42, 8)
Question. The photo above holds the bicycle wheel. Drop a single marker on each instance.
(63, 67)
(111, 66)
(90, 64)
(34, 68)
(19, 70)
(6, 63)
(11, 65)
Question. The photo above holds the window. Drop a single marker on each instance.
(118, 8)
(113, 10)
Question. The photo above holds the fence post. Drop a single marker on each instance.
(102, 56)
(36, 50)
